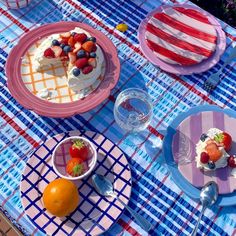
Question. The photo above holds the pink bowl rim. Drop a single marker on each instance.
(94, 158)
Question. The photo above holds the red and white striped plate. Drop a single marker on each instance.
(178, 35)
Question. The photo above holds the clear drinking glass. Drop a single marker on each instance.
(15, 4)
(133, 110)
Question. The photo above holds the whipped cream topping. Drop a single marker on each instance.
(76, 83)
(200, 147)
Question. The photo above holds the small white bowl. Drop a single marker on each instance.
(61, 156)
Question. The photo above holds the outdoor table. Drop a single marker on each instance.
(154, 193)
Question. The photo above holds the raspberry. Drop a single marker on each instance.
(204, 158)
(232, 161)
(80, 37)
(81, 62)
(49, 53)
(87, 69)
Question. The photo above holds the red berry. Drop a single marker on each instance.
(232, 161)
(49, 53)
(94, 48)
(81, 62)
(87, 69)
(204, 158)
(80, 37)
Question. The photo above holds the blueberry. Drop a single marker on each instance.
(203, 137)
(55, 42)
(76, 72)
(81, 54)
(211, 165)
(92, 54)
(62, 45)
(93, 39)
(67, 49)
(73, 34)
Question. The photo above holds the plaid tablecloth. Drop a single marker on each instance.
(154, 194)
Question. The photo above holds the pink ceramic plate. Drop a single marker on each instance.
(184, 143)
(178, 69)
(95, 214)
(43, 107)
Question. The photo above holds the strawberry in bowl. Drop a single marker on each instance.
(74, 158)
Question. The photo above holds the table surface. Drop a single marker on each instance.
(154, 194)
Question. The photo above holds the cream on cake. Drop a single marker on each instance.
(84, 58)
(212, 149)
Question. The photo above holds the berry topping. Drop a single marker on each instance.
(204, 158)
(49, 53)
(213, 152)
(73, 34)
(62, 45)
(211, 165)
(93, 39)
(88, 46)
(92, 54)
(64, 55)
(203, 137)
(232, 161)
(94, 48)
(87, 69)
(80, 37)
(224, 139)
(67, 49)
(92, 62)
(57, 51)
(64, 41)
(81, 54)
(55, 42)
(76, 71)
(72, 57)
(81, 62)
(71, 41)
(77, 47)
(65, 35)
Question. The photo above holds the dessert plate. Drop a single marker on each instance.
(180, 140)
(178, 69)
(20, 75)
(95, 214)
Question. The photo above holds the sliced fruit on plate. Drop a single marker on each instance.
(75, 167)
(224, 139)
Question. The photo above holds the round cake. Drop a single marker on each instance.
(181, 36)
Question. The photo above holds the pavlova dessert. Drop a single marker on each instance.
(212, 150)
(84, 58)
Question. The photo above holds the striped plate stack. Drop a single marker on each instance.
(181, 36)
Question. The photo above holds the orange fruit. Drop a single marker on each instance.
(61, 197)
(213, 151)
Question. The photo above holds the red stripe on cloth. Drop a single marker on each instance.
(170, 54)
(193, 14)
(22, 132)
(178, 42)
(185, 28)
(111, 31)
(14, 20)
(128, 228)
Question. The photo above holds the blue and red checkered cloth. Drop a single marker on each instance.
(154, 194)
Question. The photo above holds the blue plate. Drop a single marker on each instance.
(193, 192)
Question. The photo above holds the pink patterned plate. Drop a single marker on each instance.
(27, 99)
(95, 214)
(184, 143)
(179, 69)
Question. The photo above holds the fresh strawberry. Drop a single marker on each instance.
(88, 46)
(204, 158)
(87, 69)
(72, 57)
(92, 62)
(232, 161)
(213, 152)
(57, 51)
(49, 53)
(81, 62)
(77, 46)
(79, 150)
(225, 139)
(65, 35)
(80, 37)
(75, 167)
(71, 41)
